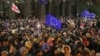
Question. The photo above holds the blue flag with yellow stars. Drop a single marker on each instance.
(53, 22)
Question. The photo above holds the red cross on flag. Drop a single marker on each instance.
(15, 8)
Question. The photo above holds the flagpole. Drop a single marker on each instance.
(28, 8)
(50, 6)
(12, 14)
(16, 13)
(36, 8)
(63, 8)
(42, 11)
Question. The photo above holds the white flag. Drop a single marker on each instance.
(15, 8)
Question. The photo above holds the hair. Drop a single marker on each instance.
(78, 52)
(4, 52)
(22, 49)
(79, 44)
(68, 47)
(87, 52)
(37, 51)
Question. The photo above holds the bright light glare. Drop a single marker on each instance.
(38, 26)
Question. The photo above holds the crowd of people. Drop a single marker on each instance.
(31, 37)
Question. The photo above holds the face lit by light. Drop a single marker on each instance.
(38, 26)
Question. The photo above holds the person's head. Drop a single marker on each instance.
(80, 46)
(64, 34)
(46, 50)
(41, 42)
(39, 52)
(67, 49)
(50, 41)
(3, 33)
(92, 52)
(56, 51)
(45, 34)
(5, 42)
(97, 54)
(23, 51)
(4, 53)
(78, 53)
(28, 44)
(60, 43)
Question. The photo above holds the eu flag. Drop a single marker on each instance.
(85, 13)
(43, 2)
(53, 22)
(92, 15)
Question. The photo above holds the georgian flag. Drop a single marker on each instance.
(15, 8)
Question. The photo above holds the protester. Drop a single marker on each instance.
(31, 37)
(4, 53)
